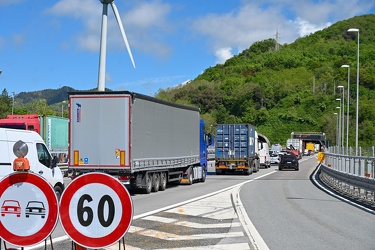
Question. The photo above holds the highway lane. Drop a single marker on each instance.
(174, 195)
(286, 208)
(290, 212)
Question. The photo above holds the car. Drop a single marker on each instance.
(35, 208)
(289, 161)
(275, 158)
(11, 207)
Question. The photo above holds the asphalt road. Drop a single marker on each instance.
(274, 210)
(290, 212)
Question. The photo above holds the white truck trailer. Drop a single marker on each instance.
(137, 138)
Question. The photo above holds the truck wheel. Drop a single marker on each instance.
(58, 192)
(190, 177)
(148, 187)
(163, 181)
(204, 175)
(155, 182)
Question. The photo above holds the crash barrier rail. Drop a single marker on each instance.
(362, 151)
(64, 168)
(354, 175)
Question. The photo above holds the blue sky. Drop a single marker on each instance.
(50, 44)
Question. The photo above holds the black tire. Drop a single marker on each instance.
(155, 182)
(148, 187)
(204, 175)
(163, 181)
(58, 192)
(190, 176)
(280, 168)
(250, 171)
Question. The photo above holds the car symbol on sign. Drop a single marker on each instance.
(35, 208)
(11, 207)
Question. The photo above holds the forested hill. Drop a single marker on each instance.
(292, 88)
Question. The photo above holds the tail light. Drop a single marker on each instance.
(123, 177)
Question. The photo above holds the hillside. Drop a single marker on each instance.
(292, 89)
(279, 91)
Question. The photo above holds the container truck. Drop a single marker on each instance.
(53, 130)
(235, 149)
(139, 139)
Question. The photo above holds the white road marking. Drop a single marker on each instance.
(173, 237)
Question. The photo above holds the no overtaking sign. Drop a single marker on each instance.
(29, 209)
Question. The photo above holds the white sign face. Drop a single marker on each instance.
(29, 209)
(92, 212)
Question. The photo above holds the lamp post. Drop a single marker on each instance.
(347, 110)
(342, 117)
(12, 103)
(339, 139)
(62, 108)
(356, 116)
(337, 124)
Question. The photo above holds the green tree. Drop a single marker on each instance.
(5, 104)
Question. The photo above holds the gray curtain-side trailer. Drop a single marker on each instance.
(135, 137)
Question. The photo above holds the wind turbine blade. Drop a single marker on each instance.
(115, 11)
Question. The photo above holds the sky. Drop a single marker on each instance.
(51, 44)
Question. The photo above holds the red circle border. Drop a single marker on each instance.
(122, 228)
(46, 230)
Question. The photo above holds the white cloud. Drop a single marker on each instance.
(240, 29)
(305, 28)
(223, 54)
(143, 24)
(150, 30)
(259, 20)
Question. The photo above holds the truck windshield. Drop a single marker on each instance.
(13, 125)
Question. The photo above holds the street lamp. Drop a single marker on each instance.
(337, 130)
(13, 103)
(342, 117)
(347, 110)
(339, 140)
(62, 108)
(356, 116)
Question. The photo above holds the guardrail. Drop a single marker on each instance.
(354, 175)
(64, 168)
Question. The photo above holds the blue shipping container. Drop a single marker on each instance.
(235, 141)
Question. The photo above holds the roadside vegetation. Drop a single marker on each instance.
(293, 88)
(279, 89)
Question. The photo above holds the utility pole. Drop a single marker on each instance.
(277, 40)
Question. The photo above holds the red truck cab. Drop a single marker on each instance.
(25, 122)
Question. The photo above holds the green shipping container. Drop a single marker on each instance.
(54, 131)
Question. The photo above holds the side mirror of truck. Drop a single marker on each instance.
(209, 139)
(55, 160)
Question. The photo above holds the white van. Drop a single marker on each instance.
(40, 159)
(264, 151)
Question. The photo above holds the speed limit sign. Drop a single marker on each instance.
(96, 210)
